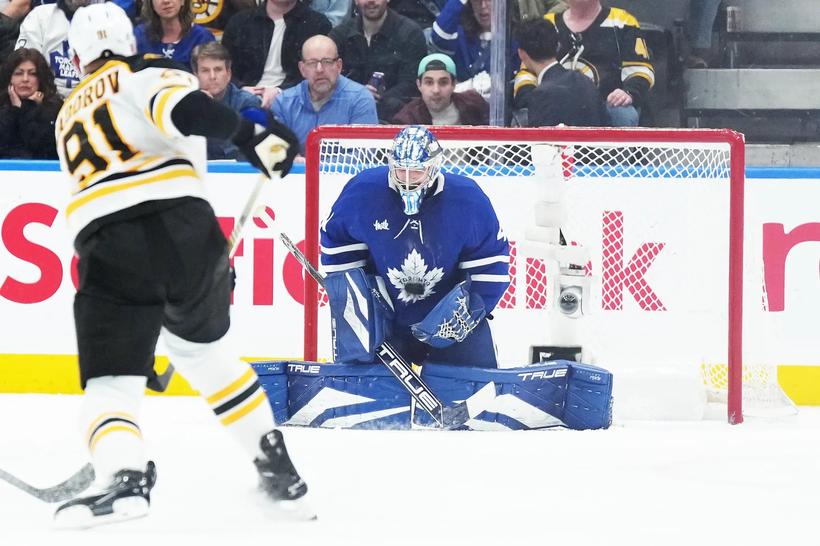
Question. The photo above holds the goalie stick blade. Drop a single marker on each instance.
(457, 415)
(70, 488)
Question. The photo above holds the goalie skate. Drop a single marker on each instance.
(126, 497)
(279, 480)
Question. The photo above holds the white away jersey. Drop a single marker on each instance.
(117, 143)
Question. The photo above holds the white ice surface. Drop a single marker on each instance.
(638, 483)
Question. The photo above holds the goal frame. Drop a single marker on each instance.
(634, 136)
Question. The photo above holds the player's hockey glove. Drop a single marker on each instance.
(452, 319)
(267, 144)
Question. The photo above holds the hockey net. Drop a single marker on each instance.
(660, 213)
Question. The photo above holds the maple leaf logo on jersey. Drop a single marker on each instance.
(414, 282)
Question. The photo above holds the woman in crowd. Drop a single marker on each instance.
(463, 31)
(29, 104)
(168, 29)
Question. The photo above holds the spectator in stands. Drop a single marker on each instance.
(15, 9)
(335, 10)
(215, 15)
(265, 43)
(9, 30)
(423, 12)
(535, 9)
(45, 29)
(29, 104)
(381, 40)
(562, 96)
(439, 104)
(131, 8)
(168, 29)
(702, 15)
(211, 64)
(605, 44)
(463, 31)
(325, 96)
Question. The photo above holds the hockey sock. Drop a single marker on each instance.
(229, 385)
(109, 418)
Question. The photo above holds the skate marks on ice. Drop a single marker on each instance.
(639, 483)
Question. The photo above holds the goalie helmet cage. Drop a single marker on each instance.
(618, 166)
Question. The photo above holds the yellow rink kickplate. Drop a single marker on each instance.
(59, 374)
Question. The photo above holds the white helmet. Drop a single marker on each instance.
(100, 28)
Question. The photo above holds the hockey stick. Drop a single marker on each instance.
(159, 383)
(247, 213)
(70, 488)
(445, 416)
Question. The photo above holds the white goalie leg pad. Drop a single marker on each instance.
(110, 421)
(229, 385)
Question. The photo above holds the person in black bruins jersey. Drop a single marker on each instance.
(605, 44)
(153, 260)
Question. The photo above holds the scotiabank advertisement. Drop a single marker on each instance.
(39, 267)
(658, 268)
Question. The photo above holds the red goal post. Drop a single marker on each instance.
(618, 166)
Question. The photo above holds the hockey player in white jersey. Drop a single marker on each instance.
(153, 260)
(433, 242)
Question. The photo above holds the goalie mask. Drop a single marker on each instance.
(414, 164)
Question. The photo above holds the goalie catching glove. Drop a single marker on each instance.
(452, 319)
(267, 144)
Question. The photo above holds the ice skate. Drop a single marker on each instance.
(126, 497)
(279, 480)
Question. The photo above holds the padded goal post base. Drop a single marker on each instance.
(364, 396)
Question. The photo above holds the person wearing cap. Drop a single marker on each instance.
(324, 97)
(439, 104)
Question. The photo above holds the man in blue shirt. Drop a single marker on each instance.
(325, 97)
(211, 63)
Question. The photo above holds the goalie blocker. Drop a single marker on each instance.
(559, 393)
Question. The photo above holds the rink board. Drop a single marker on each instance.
(38, 348)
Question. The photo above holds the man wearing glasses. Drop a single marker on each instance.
(325, 97)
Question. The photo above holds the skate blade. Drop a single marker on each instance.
(81, 517)
(291, 510)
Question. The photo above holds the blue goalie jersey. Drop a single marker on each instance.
(421, 257)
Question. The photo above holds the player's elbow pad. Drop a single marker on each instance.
(198, 114)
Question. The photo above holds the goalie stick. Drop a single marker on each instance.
(445, 416)
(70, 488)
